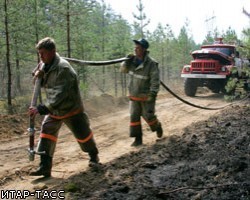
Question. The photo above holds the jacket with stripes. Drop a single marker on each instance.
(144, 79)
(63, 97)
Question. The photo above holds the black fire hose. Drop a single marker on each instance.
(110, 62)
(95, 63)
(186, 102)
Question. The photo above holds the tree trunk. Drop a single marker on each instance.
(163, 64)
(10, 111)
(68, 30)
(18, 78)
(115, 82)
(123, 84)
(36, 28)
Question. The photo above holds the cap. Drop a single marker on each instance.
(144, 43)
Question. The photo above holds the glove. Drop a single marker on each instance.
(32, 112)
(42, 109)
(130, 56)
(130, 59)
(37, 74)
(151, 97)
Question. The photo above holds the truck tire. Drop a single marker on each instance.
(190, 87)
(216, 90)
(216, 85)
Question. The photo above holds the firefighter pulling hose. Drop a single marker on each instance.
(63, 104)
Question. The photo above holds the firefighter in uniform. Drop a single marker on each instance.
(63, 105)
(144, 85)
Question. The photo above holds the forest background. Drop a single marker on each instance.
(89, 30)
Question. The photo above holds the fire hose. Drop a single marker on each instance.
(31, 129)
(110, 62)
(187, 102)
(95, 63)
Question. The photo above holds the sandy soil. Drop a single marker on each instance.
(204, 154)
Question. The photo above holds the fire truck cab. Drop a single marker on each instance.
(209, 68)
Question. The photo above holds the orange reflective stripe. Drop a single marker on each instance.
(67, 115)
(86, 139)
(138, 98)
(152, 122)
(135, 123)
(47, 136)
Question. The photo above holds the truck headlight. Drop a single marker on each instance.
(186, 69)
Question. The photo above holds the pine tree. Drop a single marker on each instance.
(140, 22)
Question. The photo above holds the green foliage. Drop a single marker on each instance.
(71, 187)
(140, 22)
(245, 48)
(230, 36)
(211, 37)
(238, 87)
(84, 88)
(20, 105)
(89, 30)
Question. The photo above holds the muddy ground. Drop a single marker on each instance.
(204, 154)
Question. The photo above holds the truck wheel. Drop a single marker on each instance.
(216, 90)
(223, 86)
(190, 87)
(217, 85)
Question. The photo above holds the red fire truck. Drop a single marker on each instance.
(209, 68)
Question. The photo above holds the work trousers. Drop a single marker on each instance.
(78, 124)
(143, 109)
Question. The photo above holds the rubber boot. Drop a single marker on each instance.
(137, 142)
(94, 158)
(44, 168)
(159, 131)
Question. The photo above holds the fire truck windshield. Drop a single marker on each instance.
(227, 51)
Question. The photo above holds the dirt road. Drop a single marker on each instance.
(111, 134)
